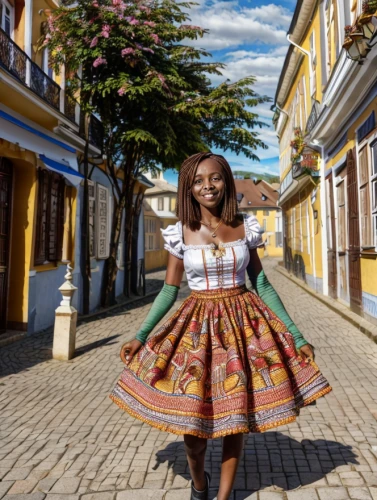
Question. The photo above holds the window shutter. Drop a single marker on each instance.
(92, 215)
(102, 220)
(41, 226)
(60, 219)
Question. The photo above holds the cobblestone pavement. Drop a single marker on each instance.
(63, 439)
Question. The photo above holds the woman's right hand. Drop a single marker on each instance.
(128, 350)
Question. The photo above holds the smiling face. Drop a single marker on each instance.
(208, 187)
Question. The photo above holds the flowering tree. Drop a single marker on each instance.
(129, 64)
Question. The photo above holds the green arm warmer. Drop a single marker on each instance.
(161, 305)
(272, 300)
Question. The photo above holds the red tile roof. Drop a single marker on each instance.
(252, 193)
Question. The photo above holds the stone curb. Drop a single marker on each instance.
(359, 322)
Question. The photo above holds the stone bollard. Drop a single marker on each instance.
(65, 322)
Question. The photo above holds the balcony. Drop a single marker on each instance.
(17, 63)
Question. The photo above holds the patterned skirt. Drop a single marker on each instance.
(222, 364)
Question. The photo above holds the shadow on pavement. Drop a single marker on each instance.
(269, 459)
(38, 349)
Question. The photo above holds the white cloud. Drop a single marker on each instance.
(230, 26)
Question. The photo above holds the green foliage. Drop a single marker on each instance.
(129, 63)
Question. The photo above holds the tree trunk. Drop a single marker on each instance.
(135, 239)
(84, 253)
(128, 237)
(111, 268)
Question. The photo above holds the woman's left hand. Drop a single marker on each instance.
(307, 353)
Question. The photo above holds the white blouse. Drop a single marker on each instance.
(208, 267)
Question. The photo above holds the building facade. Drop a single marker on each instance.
(41, 144)
(159, 211)
(259, 198)
(325, 121)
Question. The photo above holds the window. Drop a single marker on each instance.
(364, 198)
(6, 17)
(160, 203)
(50, 217)
(173, 203)
(304, 221)
(100, 212)
(341, 202)
(313, 72)
(297, 229)
(332, 30)
(266, 212)
(264, 224)
(102, 232)
(151, 236)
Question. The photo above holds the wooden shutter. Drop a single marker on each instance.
(102, 221)
(56, 218)
(42, 222)
(354, 235)
(92, 214)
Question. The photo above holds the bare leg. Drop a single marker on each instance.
(232, 449)
(196, 452)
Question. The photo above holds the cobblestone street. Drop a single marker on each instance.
(63, 439)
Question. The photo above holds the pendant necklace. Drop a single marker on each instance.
(215, 229)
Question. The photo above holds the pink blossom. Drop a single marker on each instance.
(121, 91)
(95, 3)
(150, 23)
(94, 42)
(147, 49)
(155, 38)
(134, 21)
(105, 31)
(127, 52)
(99, 61)
(117, 3)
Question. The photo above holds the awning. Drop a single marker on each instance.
(71, 175)
(28, 135)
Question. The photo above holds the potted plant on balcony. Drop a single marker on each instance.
(304, 159)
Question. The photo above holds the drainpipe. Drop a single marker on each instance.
(306, 52)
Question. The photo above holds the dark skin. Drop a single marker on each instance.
(208, 189)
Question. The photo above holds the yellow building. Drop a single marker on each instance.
(331, 214)
(39, 143)
(159, 212)
(260, 199)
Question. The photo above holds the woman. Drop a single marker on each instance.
(229, 361)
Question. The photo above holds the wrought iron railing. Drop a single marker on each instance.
(70, 108)
(44, 86)
(12, 58)
(17, 63)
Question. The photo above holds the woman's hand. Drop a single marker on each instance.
(307, 353)
(128, 350)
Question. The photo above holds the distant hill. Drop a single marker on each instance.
(251, 175)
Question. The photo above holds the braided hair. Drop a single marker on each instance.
(188, 209)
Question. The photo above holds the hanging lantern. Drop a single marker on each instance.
(368, 25)
(355, 43)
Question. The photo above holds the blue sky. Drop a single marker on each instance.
(250, 37)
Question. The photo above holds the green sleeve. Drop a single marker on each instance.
(161, 305)
(272, 300)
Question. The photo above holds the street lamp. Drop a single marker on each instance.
(368, 24)
(355, 43)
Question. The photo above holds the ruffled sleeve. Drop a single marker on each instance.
(253, 231)
(173, 239)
